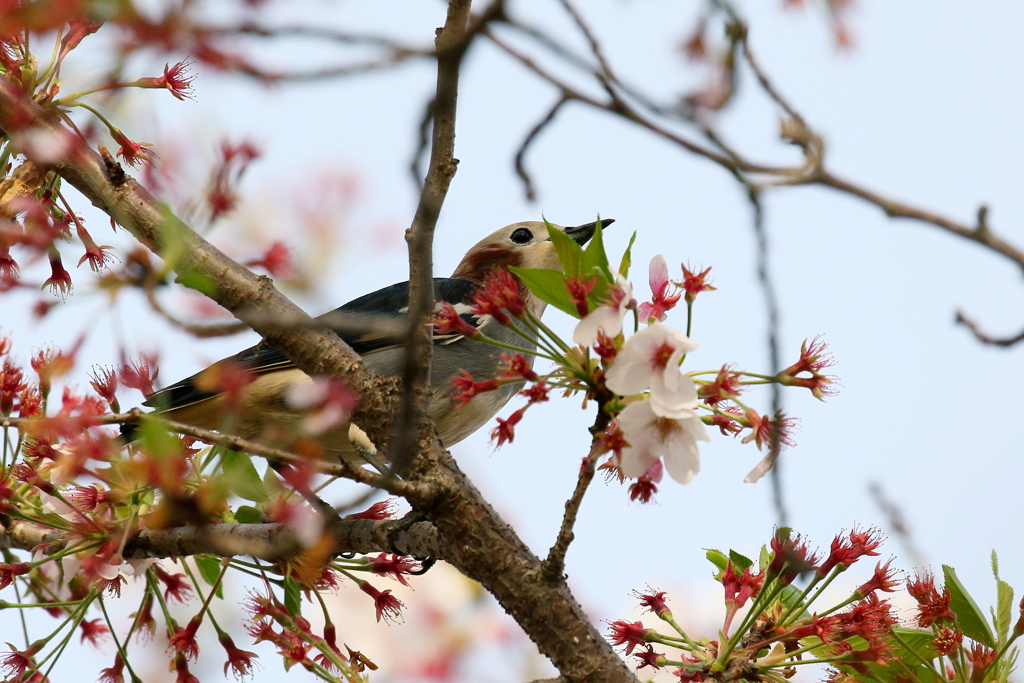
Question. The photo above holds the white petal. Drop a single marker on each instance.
(671, 400)
(695, 426)
(54, 504)
(762, 468)
(603, 318)
(70, 565)
(658, 274)
(637, 424)
(682, 457)
(628, 376)
(109, 571)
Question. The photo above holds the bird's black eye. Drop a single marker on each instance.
(522, 236)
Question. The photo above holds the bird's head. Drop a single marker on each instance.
(522, 245)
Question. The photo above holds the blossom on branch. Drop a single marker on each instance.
(652, 436)
(176, 80)
(662, 300)
(650, 360)
(607, 317)
(695, 282)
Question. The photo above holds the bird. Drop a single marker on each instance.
(263, 413)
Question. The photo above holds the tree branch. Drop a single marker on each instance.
(451, 44)
(554, 565)
(272, 542)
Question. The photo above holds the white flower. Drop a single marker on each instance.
(652, 436)
(650, 360)
(608, 316)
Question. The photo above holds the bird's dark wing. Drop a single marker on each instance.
(390, 303)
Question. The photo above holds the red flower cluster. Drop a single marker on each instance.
(629, 634)
(384, 509)
(176, 80)
(764, 429)
(498, 294)
(847, 550)
(725, 386)
(394, 566)
(387, 605)
(791, 557)
(579, 290)
(932, 606)
(814, 357)
(695, 282)
(740, 587)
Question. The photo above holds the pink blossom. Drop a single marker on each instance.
(662, 299)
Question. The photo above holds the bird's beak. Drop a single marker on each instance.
(581, 234)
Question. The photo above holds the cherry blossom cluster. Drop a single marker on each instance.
(660, 412)
(37, 221)
(64, 474)
(776, 620)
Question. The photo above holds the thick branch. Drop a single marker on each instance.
(271, 542)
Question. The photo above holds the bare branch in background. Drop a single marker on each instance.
(642, 110)
(521, 171)
(897, 523)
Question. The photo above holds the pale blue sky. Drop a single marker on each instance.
(926, 109)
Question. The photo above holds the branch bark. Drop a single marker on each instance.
(271, 542)
(451, 44)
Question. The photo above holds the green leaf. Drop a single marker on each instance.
(719, 559)
(739, 562)
(193, 279)
(246, 514)
(1003, 614)
(172, 239)
(594, 257)
(570, 254)
(158, 442)
(913, 640)
(790, 597)
(242, 478)
(209, 569)
(548, 286)
(969, 616)
(292, 597)
(627, 258)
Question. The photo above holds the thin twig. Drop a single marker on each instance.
(202, 331)
(322, 33)
(771, 304)
(985, 338)
(451, 45)
(554, 565)
(898, 523)
(521, 171)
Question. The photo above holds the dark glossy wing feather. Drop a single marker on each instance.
(390, 301)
